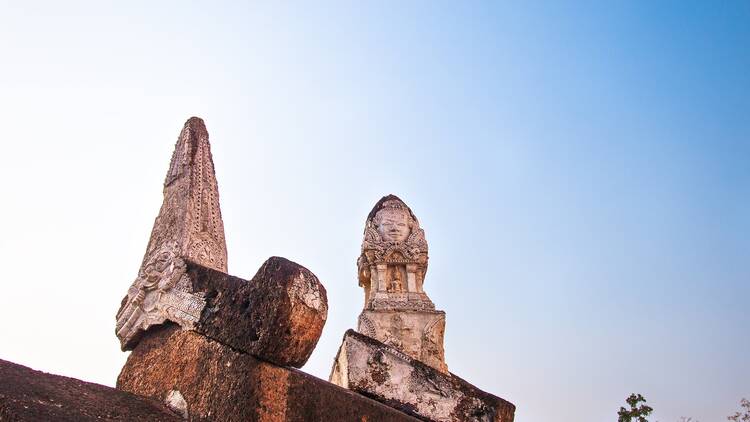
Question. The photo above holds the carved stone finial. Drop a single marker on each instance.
(392, 267)
(188, 226)
(393, 261)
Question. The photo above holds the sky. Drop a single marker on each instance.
(580, 170)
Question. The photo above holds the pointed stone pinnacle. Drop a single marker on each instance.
(188, 226)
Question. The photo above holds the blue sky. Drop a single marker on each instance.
(580, 169)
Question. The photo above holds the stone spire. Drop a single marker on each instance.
(397, 357)
(392, 268)
(188, 226)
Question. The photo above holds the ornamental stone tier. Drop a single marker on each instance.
(392, 268)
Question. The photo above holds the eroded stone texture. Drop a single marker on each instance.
(377, 370)
(392, 268)
(189, 226)
(29, 395)
(278, 315)
(222, 384)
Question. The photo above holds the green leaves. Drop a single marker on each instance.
(636, 413)
(744, 414)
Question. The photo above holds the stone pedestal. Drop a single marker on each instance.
(390, 376)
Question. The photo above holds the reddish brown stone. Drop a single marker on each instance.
(29, 395)
(277, 316)
(222, 384)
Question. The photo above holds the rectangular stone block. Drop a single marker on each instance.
(218, 383)
(29, 395)
(277, 316)
(390, 376)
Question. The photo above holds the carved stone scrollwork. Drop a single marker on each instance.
(403, 305)
(366, 326)
(157, 296)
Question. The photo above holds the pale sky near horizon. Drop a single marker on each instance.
(581, 171)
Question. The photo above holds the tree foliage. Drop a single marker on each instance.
(636, 413)
(744, 414)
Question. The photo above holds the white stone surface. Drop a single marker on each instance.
(177, 403)
(385, 373)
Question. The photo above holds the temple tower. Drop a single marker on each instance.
(392, 268)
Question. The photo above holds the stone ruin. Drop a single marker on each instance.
(183, 278)
(397, 356)
(208, 346)
(392, 268)
(188, 227)
(214, 347)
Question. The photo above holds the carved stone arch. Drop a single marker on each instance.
(396, 254)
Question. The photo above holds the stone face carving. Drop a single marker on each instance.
(189, 226)
(392, 267)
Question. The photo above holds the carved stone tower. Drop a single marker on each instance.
(188, 226)
(392, 269)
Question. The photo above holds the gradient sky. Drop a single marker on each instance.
(580, 169)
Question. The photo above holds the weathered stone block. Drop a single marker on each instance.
(218, 383)
(388, 375)
(29, 395)
(277, 316)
